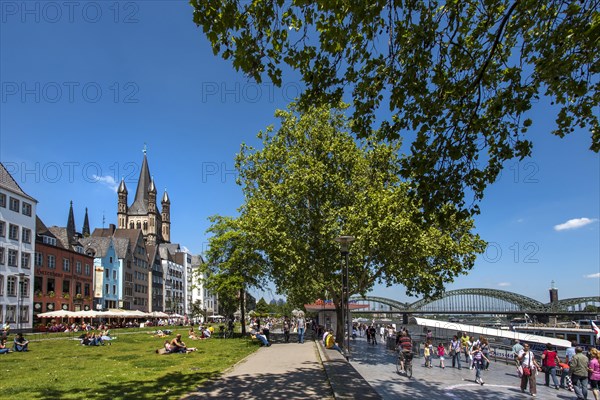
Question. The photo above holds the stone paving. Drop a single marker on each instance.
(377, 366)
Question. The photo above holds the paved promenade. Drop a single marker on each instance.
(377, 365)
(307, 371)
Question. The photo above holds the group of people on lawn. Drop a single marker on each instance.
(19, 344)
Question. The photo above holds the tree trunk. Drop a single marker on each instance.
(243, 310)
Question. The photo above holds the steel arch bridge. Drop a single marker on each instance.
(477, 300)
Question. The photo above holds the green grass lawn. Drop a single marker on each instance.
(58, 367)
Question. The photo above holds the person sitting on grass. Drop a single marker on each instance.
(3, 348)
(178, 346)
(192, 334)
(20, 343)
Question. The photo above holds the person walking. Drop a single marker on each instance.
(428, 354)
(530, 368)
(441, 351)
(516, 351)
(301, 328)
(465, 345)
(485, 349)
(550, 361)
(579, 373)
(286, 330)
(478, 363)
(455, 351)
(594, 368)
(569, 354)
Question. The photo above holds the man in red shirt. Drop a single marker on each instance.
(404, 348)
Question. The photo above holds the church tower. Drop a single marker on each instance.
(143, 213)
(166, 217)
(71, 225)
(122, 205)
(149, 227)
(86, 225)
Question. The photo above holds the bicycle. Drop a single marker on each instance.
(407, 365)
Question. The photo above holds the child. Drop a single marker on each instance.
(428, 353)
(441, 350)
(478, 358)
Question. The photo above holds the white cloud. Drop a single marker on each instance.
(592, 276)
(504, 284)
(107, 180)
(574, 224)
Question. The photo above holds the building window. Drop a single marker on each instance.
(106, 289)
(26, 209)
(1, 255)
(51, 262)
(11, 286)
(12, 257)
(78, 267)
(2, 200)
(114, 275)
(25, 260)
(107, 273)
(2, 229)
(50, 287)
(25, 288)
(66, 286)
(114, 289)
(1, 290)
(24, 314)
(13, 232)
(26, 235)
(78, 288)
(11, 312)
(87, 269)
(14, 204)
(66, 265)
(38, 284)
(86, 289)
(49, 240)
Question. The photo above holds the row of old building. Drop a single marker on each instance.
(131, 265)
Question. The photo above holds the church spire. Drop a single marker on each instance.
(71, 224)
(140, 202)
(86, 225)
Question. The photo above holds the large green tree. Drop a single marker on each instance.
(312, 182)
(457, 76)
(233, 264)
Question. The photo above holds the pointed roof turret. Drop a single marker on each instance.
(152, 188)
(86, 225)
(140, 203)
(122, 187)
(165, 198)
(71, 224)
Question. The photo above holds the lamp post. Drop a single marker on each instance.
(345, 242)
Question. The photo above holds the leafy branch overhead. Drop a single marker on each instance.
(457, 77)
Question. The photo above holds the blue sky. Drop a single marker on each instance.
(86, 84)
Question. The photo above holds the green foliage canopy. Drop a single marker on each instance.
(312, 182)
(233, 264)
(460, 75)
